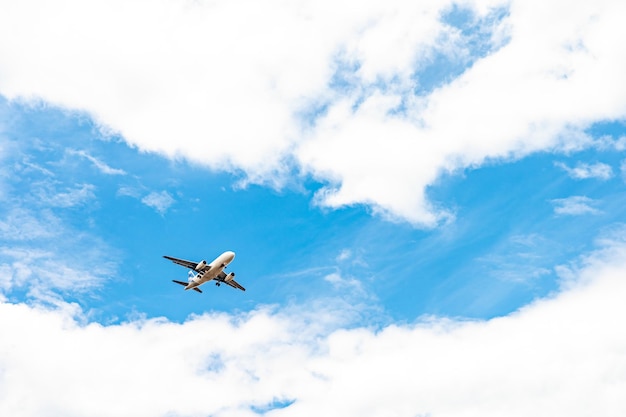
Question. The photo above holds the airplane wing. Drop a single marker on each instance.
(221, 278)
(184, 284)
(186, 264)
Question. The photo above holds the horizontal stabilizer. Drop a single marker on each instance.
(185, 284)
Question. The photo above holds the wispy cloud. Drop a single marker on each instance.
(344, 255)
(128, 191)
(520, 259)
(45, 257)
(575, 206)
(49, 194)
(102, 167)
(344, 283)
(160, 201)
(37, 168)
(20, 224)
(584, 171)
(43, 271)
(43, 252)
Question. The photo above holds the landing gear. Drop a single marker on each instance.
(217, 284)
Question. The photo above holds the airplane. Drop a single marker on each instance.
(202, 272)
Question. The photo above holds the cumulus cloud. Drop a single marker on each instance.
(583, 171)
(558, 356)
(341, 94)
(574, 206)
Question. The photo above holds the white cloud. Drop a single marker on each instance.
(583, 171)
(574, 206)
(42, 252)
(160, 201)
(558, 356)
(327, 88)
(34, 167)
(103, 167)
(520, 258)
(23, 225)
(347, 284)
(45, 257)
(129, 191)
(344, 255)
(48, 194)
(45, 272)
(620, 143)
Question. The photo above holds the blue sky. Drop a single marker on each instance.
(496, 255)
(441, 195)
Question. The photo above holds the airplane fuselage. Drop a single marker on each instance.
(211, 270)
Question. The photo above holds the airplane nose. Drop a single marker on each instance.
(230, 255)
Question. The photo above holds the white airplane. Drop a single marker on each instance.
(202, 272)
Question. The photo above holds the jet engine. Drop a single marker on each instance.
(201, 266)
(229, 277)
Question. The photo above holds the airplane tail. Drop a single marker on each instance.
(184, 284)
